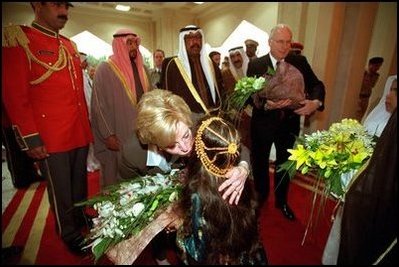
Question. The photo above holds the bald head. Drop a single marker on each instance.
(280, 28)
(280, 41)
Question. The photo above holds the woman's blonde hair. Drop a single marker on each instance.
(159, 112)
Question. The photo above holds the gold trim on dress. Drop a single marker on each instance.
(190, 85)
(120, 76)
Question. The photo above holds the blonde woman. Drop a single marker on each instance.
(164, 137)
(164, 140)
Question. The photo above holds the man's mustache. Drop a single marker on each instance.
(195, 46)
(62, 17)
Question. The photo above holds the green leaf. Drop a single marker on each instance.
(154, 205)
(270, 71)
(288, 167)
(101, 248)
(305, 169)
(335, 184)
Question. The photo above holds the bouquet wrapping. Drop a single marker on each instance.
(127, 251)
(284, 83)
(287, 82)
(124, 210)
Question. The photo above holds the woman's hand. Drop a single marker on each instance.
(235, 182)
(174, 225)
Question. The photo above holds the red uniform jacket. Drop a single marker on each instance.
(53, 112)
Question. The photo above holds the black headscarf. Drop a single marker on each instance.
(370, 217)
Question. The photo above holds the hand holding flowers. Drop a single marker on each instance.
(284, 84)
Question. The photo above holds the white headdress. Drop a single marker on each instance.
(245, 61)
(377, 119)
(204, 58)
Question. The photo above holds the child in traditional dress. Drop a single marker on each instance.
(213, 231)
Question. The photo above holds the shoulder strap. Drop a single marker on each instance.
(75, 47)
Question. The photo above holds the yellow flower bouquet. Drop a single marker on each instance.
(331, 154)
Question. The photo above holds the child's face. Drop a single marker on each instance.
(184, 141)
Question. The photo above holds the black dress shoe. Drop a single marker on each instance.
(287, 212)
(76, 244)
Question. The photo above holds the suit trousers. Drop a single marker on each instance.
(66, 176)
(280, 127)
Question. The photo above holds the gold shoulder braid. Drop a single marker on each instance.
(15, 36)
(75, 47)
(201, 149)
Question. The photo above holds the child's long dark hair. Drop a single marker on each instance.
(229, 229)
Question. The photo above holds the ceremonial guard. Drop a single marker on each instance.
(42, 89)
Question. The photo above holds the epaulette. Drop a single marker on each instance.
(14, 36)
(75, 46)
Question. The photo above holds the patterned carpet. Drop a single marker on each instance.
(28, 222)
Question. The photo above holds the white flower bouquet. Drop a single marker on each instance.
(125, 209)
(244, 88)
(237, 100)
